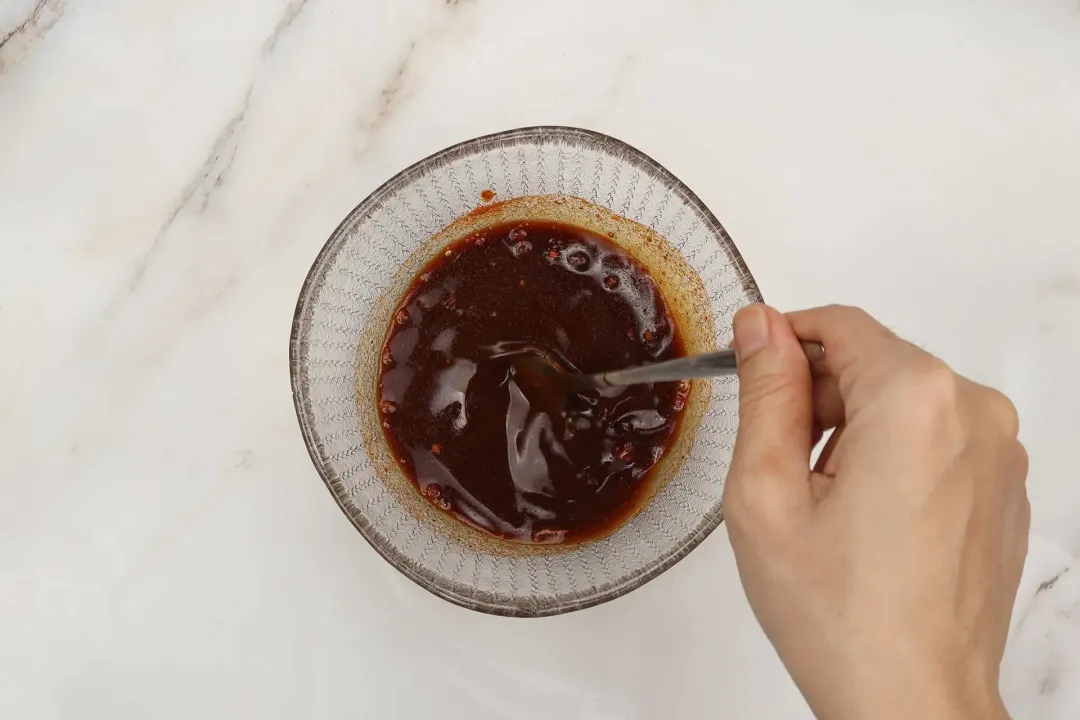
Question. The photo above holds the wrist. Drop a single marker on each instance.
(903, 697)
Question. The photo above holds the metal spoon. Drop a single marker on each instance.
(542, 371)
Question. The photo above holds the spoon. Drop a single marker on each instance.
(541, 371)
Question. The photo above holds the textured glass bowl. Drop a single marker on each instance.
(331, 371)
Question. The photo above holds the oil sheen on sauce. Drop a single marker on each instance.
(479, 444)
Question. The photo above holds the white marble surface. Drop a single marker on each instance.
(168, 170)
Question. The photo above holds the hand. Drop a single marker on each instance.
(885, 577)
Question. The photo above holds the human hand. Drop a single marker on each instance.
(885, 577)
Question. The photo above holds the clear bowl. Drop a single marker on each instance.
(340, 323)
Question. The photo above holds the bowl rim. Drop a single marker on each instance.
(372, 203)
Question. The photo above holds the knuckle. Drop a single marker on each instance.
(934, 383)
(1002, 411)
(931, 392)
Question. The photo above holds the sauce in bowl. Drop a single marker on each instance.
(481, 444)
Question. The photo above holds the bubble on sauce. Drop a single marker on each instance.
(521, 249)
(611, 281)
(518, 234)
(434, 493)
(578, 260)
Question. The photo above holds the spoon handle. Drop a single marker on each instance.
(706, 365)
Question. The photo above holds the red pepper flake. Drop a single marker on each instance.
(552, 254)
(521, 283)
(624, 453)
(401, 316)
(487, 195)
(647, 335)
(611, 282)
(436, 448)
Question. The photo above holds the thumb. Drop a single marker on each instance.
(772, 451)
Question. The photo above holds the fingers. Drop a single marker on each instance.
(846, 332)
(857, 347)
(822, 465)
(772, 452)
(828, 404)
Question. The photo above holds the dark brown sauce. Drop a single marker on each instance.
(480, 444)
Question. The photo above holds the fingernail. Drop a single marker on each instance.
(751, 328)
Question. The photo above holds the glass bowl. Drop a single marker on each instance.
(340, 323)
